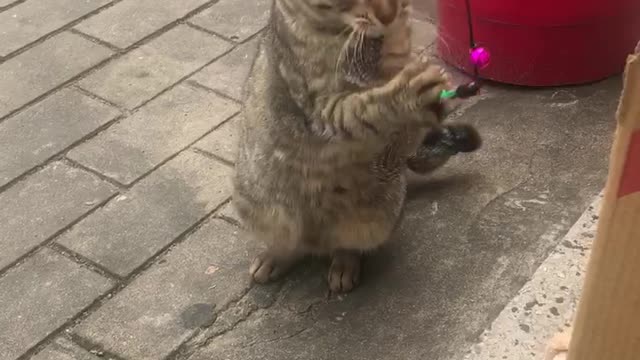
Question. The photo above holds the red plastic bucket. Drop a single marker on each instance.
(543, 42)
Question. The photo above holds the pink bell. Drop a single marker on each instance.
(480, 57)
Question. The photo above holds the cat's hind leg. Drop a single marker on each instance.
(271, 264)
(279, 230)
(360, 232)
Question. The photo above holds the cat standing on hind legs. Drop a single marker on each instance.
(329, 132)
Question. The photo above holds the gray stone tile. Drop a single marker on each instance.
(35, 209)
(235, 19)
(229, 73)
(144, 72)
(282, 333)
(31, 20)
(135, 226)
(132, 20)
(6, 2)
(48, 127)
(63, 349)
(194, 281)
(40, 296)
(163, 127)
(42, 68)
(221, 142)
(555, 290)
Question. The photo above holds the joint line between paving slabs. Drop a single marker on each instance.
(93, 348)
(212, 156)
(54, 334)
(234, 46)
(55, 235)
(59, 30)
(84, 261)
(229, 220)
(125, 112)
(7, 7)
(95, 40)
(62, 85)
(164, 29)
(59, 156)
(197, 85)
(210, 32)
(182, 79)
(171, 157)
(77, 165)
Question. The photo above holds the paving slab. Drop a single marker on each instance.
(160, 129)
(130, 21)
(546, 304)
(33, 19)
(63, 349)
(6, 2)
(222, 142)
(237, 20)
(44, 67)
(38, 207)
(144, 72)
(47, 128)
(136, 225)
(473, 234)
(188, 286)
(41, 295)
(228, 74)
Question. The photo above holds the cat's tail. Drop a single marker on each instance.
(440, 144)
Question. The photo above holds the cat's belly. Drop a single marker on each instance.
(351, 206)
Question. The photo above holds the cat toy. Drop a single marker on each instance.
(451, 140)
(479, 57)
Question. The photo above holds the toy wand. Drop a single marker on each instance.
(478, 56)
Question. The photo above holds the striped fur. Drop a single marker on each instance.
(321, 160)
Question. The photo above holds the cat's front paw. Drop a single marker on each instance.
(419, 85)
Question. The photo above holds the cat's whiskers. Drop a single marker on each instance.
(359, 53)
(344, 52)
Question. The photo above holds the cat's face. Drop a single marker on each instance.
(364, 24)
(371, 17)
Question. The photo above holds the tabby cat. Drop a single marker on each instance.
(336, 110)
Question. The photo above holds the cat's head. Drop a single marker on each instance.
(371, 17)
(363, 23)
